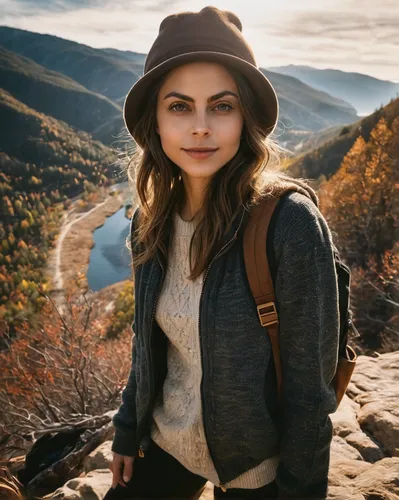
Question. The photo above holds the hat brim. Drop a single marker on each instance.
(264, 90)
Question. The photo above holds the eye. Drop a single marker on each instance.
(225, 104)
(173, 107)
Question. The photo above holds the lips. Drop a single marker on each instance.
(200, 153)
(201, 150)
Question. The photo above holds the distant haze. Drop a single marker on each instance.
(348, 35)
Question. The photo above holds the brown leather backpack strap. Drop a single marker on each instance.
(259, 277)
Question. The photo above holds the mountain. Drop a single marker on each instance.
(326, 158)
(364, 92)
(43, 163)
(61, 157)
(305, 108)
(111, 72)
(54, 94)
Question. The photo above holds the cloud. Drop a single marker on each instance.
(341, 35)
(35, 7)
(345, 33)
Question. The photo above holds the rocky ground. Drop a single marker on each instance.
(364, 451)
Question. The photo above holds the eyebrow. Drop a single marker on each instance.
(212, 98)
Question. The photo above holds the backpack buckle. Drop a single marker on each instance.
(266, 316)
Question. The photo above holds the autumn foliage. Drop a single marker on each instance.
(123, 312)
(61, 371)
(360, 203)
(43, 164)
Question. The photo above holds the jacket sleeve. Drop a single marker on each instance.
(307, 302)
(124, 421)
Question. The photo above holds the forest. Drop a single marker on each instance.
(41, 169)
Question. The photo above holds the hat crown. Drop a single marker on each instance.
(210, 29)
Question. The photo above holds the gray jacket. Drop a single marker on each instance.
(239, 394)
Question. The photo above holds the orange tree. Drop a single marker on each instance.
(358, 201)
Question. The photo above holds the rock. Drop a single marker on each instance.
(93, 486)
(64, 493)
(345, 418)
(347, 428)
(374, 386)
(100, 458)
(381, 477)
(354, 479)
(342, 469)
(381, 419)
(364, 461)
(367, 447)
(341, 448)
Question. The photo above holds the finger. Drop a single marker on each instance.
(128, 469)
(116, 477)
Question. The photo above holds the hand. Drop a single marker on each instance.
(122, 469)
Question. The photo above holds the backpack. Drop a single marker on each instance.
(261, 284)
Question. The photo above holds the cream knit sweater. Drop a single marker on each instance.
(177, 424)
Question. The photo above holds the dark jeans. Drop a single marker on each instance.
(159, 475)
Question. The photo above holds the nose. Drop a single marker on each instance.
(200, 125)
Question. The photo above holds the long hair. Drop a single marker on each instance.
(158, 189)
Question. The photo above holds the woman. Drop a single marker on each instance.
(201, 399)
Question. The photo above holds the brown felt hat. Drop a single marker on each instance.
(211, 35)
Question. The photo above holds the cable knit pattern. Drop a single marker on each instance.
(177, 424)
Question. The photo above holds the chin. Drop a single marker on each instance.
(201, 171)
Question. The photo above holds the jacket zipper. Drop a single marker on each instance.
(221, 485)
(141, 451)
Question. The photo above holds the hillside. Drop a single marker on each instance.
(305, 108)
(41, 168)
(364, 92)
(46, 141)
(326, 158)
(111, 73)
(54, 94)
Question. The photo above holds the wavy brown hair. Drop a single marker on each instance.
(158, 188)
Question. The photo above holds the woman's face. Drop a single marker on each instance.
(198, 106)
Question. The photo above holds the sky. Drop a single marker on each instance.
(351, 35)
